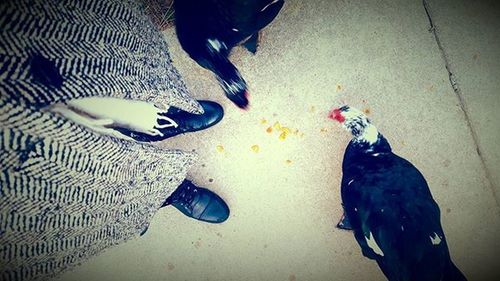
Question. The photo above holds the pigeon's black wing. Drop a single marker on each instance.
(230, 21)
(394, 217)
(250, 16)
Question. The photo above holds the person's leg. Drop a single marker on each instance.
(176, 121)
(143, 122)
(138, 120)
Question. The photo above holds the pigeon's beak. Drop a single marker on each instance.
(336, 114)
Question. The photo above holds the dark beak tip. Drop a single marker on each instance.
(244, 105)
(241, 100)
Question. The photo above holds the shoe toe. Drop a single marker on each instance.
(210, 207)
(213, 112)
(216, 212)
(198, 203)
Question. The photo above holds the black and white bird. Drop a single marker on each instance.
(209, 29)
(389, 206)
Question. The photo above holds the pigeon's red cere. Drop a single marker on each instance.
(336, 115)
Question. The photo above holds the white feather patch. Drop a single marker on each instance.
(373, 244)
(216, 44)
(370, 134)
(435, 239)
(355, 119)
(267, 6)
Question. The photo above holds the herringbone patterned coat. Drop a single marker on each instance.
(67, 193)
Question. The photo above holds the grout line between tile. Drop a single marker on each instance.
(463, 105)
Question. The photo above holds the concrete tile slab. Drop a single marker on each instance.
(374, 55)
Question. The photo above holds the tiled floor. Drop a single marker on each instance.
(378, 56)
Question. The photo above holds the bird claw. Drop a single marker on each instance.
(344, 223)
(252, 43)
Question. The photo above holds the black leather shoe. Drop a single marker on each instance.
(186, 122)
(198, 203)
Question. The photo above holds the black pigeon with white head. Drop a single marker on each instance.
(389, 207)
(209, 29)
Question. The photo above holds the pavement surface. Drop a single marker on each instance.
(433, 92)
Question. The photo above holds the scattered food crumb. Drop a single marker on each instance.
(312, 109)
(283, 132)
(288, 161)
(323, 130)
(210, 180)
(255, 148)
(220, 148)
(448, 210)
(339, 87)
(283, 136)
(170, 266)
(263, 121)
(367, 111)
